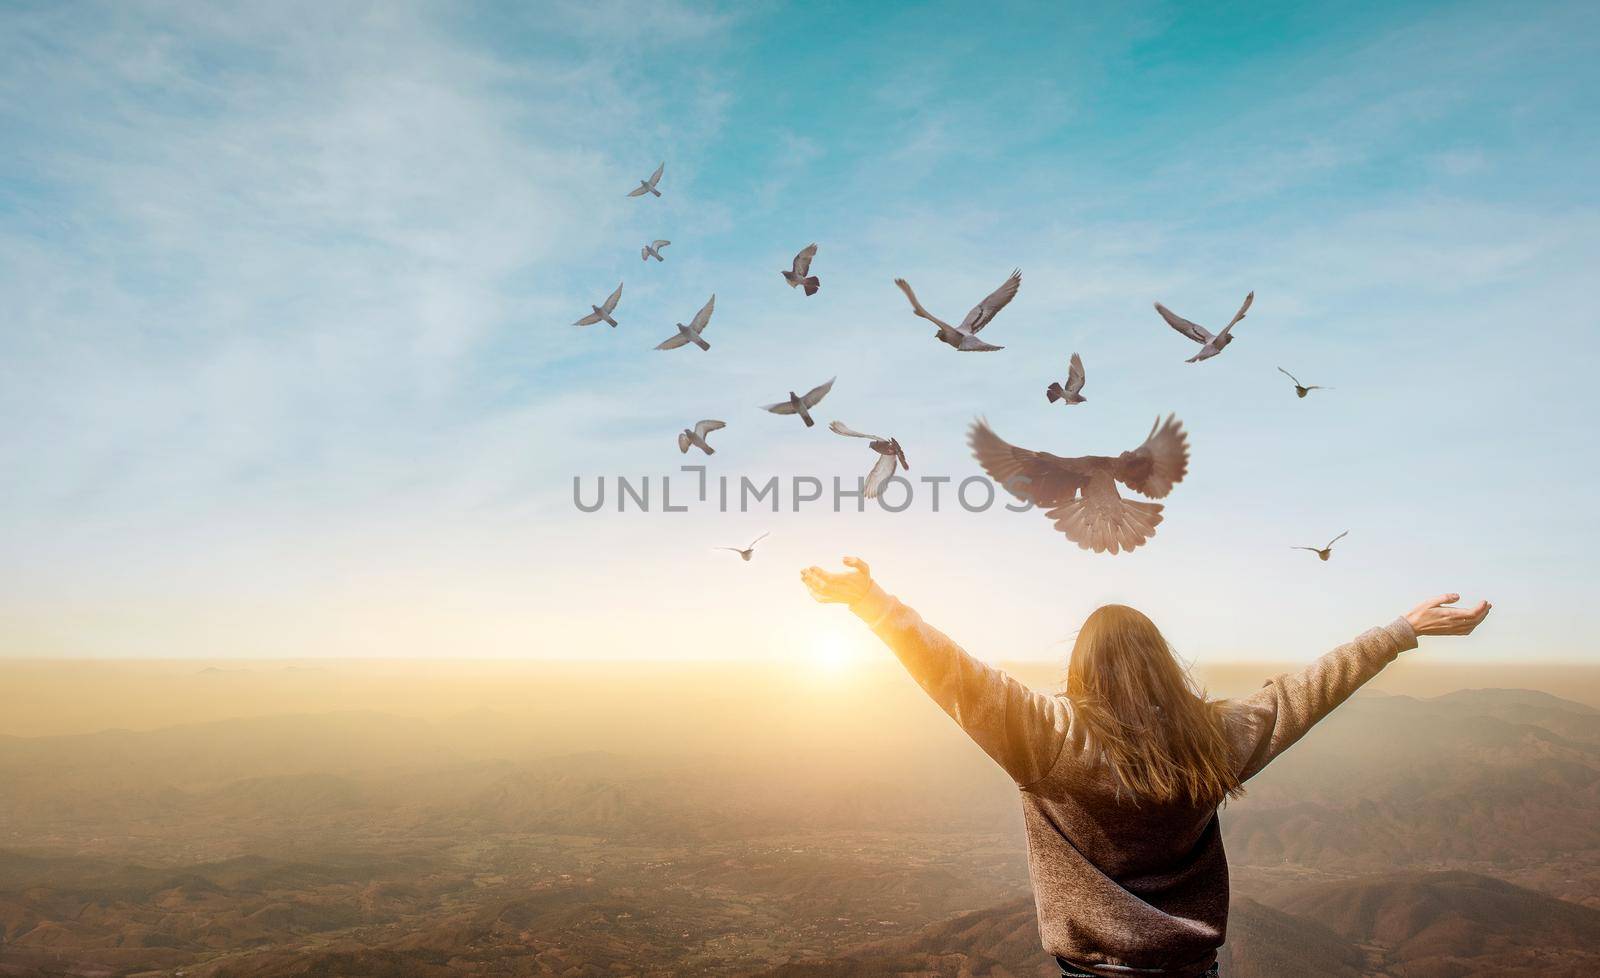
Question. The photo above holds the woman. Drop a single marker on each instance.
(1121, 774)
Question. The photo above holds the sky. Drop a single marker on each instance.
(288, 370)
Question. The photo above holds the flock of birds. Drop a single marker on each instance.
(1078, 494)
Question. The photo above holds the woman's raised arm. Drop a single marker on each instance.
(1023, 730)
(1288, 706)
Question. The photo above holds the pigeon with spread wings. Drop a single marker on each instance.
(603, 311)
(1210, 345)
(691, 333)
(649, 186)
(965, 336)
(1324, 552)
(1300, 390)
(696, 436)
(802, 404)
(1080, 494)
(889, 452)
(799, 273)
(1070, 393)
(653, 250)
(745, 553)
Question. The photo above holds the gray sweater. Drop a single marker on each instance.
(1120, 889)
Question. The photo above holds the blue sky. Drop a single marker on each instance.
(288, 368)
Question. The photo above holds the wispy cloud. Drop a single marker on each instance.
(287, 292)
(258, 264)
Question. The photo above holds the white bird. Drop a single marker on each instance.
(649, 186)
(696, 436)
(802, 404)
(746, 553)
(1300, 390)
(603, 311)
(691, 333)
(1324, 552)
(797, 275)
(1055, 392)
(965, 336)
(889, 454)
(653, 250)
(1210, 345)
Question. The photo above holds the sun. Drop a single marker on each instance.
(832, 654)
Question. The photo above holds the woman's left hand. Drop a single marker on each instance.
(845, 588)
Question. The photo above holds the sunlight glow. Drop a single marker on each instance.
(832, 654)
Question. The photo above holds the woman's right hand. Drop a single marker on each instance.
(1433, 617)
(846, 588)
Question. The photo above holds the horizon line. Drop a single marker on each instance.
(1432, 660)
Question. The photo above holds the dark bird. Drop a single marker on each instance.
(965, 336)
(649, 186)
(1080, 494)
(1210, 345)
(696, 436)
(1324, 552)
(691, 333)
(1299, 388)
(603, 311)
(747, 552)
(802, 404)
(653, 250)
(889, 452)
(1069, 394)
(798, 275)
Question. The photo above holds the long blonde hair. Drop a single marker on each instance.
(1161, 737)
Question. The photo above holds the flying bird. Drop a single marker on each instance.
(798, 275)
(649, 186)
(691, 333)
(965, 336)
(746, 553)
(696, 436)
(603, 311)
(802, 405)
(1210, 345)
(1299, 388)
(1324, 552)
(889, 455)
(653, 250)
(1080, 494)
(1070, 394)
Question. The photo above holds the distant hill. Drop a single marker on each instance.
(1268, 943)
(1504, 781)
(1003, 942)
(1419, 925)
(999, 942)
(1443, 924)
(363, 843)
